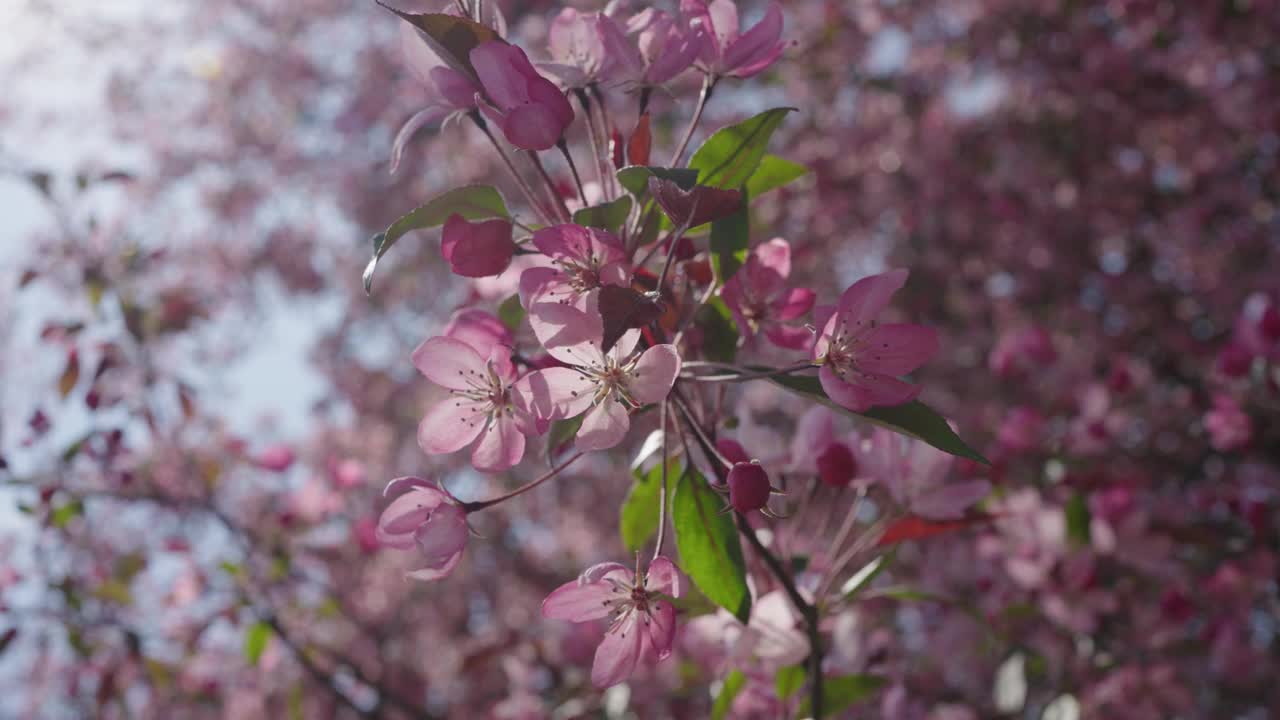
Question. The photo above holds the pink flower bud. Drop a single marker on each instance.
(836, 465)
(478, 249)
(732, 450)
(530, 109)
(426, 517)
(276, 458)
(748, 486)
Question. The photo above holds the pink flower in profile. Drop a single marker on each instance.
(449, 91)
(428, 518)
(643, 625)
(477, 249)
(662, 48)
(760, 300)
(583, 260)
(606, 386)
(1229, 427)
(915, 474)
(483, 331)
(485, 402)
(532, 112)
(726, 52)
(575, 41)
(862, 359)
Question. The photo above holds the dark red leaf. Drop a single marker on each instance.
(622, 308)
(640, 143)
(914, 527)
(616, 150)
(694, 207)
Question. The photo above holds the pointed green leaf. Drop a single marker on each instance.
(609, 216)
(914, 418)
(474, 202)
(788, 680)
(773, 173)
(511, 313)
(730, 239)
(733, 684)
(635, 178)
(255, 641)
(731, 155)
(710, 553)
(1078, 520)
(638, 517)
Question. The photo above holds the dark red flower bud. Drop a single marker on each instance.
(836, 465)
(748, 486)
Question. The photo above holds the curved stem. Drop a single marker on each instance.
(557, 201)
(573, 168)
(662, 498)
(743, 374)
(511, 168)
(477, 505)
(708, 84)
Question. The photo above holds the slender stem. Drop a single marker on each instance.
(577, 179)
(674, 240)
(511, 168)
(708, 84)
(477, 505)
(750, 374)
(662, 498)
(594, 133)
(556, 199)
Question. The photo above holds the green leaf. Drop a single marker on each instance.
(731, 155)
(839, 693)
(869, 572)
(451, 38)
(788, 680)
(719, 331)
(66, 512)
(511, 313)
(733, 684)
(635, 178)
(1078, 520)
(708, 542)
(473, 202)
(561, 432)
(730, 238)
(914, 418)
(608, 216)
(255, 641)
(638, 516)
(773, 173)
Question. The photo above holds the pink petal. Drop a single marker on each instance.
(759, 63)
(501, 446)
(579, 602)
(853, 397)
(448, 362)
(898, 348)
(557, 393)
(662, 628)
(788, 336)
(479, 329)
(864, 300)
(454, 87)
(450, 426)
(477, 249)
(654, 374)
(950, 500)
(498, 66)
(404, 484)
(662, 576)
(815, 430)
(883, 390)
(608, 571)
(618, 652)
(443, 535)
(532, 127)
(794, 303)
(544, 93)
(723, 15)
(408, 511)
(768, 267)
(423, 117)
(534, 282)
(437, 572)
(604, 426)
(826, 321)
(569, 334)
(672, 62)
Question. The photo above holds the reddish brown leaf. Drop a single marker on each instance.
(914, 527)
(622, 309)
(70, 374)
(640, 143)
(616, 150)
(696, 206)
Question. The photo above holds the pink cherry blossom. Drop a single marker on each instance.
(428, 518)
(861, 359)
(575, 41)
(725, 51)
(605, 386)
(477, 249)
(760, 300)
(583, 259)
(449, 91)
(1229, 427)
(485, 402)
(643, 624)
(916, 474)
(532, 112)
(661, 50)
(483, 331)
(748, 486)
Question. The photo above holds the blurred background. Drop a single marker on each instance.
(199, 405)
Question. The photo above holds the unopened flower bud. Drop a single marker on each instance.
(836, 465)
(748, 486)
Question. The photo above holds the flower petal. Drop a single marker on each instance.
(406, 513)
(416, 122)
(662, 628)
(844, 394)
(501, 445)
(604, 426)
(449, 363)
(662, 576)
(898, 348)
(557, 393)
(864, 300)
(618, 652)
(450, 426)
(654, 374)
(578, 602)
(794, 303)
(532, 127)
(437, 572)
(950, 500)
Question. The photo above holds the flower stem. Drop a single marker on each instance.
(708, 84)
(511, 168)
(478, 505)
(577, 179)
(556, 200)
(662, 498)
(744, 374)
